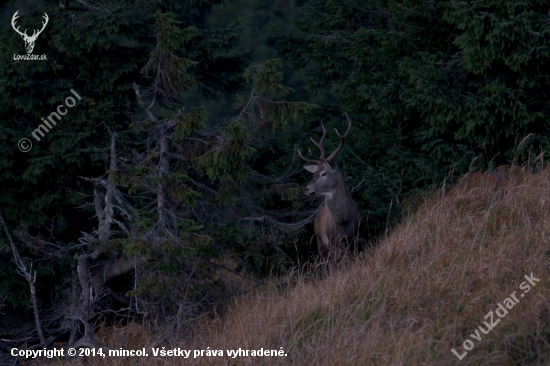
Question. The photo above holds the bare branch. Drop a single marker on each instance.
(30, 277)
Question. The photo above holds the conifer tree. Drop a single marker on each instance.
(134, 200)
(436, 87)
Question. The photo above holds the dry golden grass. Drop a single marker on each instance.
(420, 293)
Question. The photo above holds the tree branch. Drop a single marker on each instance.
(31, 279)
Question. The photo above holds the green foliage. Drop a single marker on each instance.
(433, 86)
(266, 78)
(257, 19)
(174, 79)
(163, 51)
(226, 163)
(190, 122)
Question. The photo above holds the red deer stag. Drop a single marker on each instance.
(337, 218)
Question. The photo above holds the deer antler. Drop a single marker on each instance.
(342, 139)
(308, 160)
(319, 145)
(35, 33)
(43, 26)
(322, 147)
(13, 19)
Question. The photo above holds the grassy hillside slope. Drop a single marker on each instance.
(423, 291)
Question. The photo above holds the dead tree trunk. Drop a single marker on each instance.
(30, 276)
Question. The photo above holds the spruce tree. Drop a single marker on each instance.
(434, 87)
(134, 199)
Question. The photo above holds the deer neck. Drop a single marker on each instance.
(337, 203)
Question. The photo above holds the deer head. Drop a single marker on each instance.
(29, 40)
(326, 175)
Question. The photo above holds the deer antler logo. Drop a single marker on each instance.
(29, 40)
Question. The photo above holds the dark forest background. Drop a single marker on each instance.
(176, 180)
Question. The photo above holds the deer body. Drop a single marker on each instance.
(337, 219)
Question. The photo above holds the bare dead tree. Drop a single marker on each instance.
(30, 276)
(109, 203)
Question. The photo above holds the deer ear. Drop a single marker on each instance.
(311, 168)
